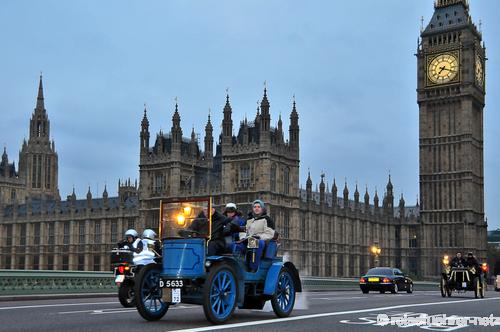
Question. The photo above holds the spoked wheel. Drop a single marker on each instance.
(126, 294)
(283, 299)
(443, 287)
(220, 294)
(148, 294)
(477, 287)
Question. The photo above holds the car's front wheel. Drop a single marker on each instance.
(283, 299)
(410, 288)
(220, 294)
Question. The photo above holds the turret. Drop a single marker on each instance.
(209, 141)
(356, 198)
(227, 123)
(346, 196)
(144, 133)
(309, 187)
(322, 190)
(294, 128)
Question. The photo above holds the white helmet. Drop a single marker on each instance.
(230, 207)
(132, 232)
(148, 234)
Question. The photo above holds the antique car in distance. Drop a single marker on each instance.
(461, 279)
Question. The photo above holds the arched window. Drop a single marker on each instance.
(245, 175)
(273, 177)
(286, 180)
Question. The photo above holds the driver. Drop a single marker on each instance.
(458, 260)
(472, 261)
(217, 243)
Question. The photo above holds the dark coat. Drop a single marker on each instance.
(200, 224)
(218, 223)
(455, 262)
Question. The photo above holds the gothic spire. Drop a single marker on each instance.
(145, 121)
(5, 158)
(227, 121)
(40, 100)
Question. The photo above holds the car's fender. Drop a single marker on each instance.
(272, 278)
(295, 275)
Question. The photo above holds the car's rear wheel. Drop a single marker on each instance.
(283, 299)
(410, 288)
(365, 291)
(477, 287)
(220, 294)
(395, 289)
(382, 292)
(148, 293)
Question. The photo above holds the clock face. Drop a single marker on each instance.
(443, 68)
(479, 70)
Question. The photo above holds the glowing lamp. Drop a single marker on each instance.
(446, 260)
(181, 220)
(187, 210)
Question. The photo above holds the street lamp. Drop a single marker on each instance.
(376, 250)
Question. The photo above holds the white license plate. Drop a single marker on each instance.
(176, 295)
(120, 278)
(464, 285)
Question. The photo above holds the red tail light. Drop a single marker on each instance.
(484, 267)
(386, 280)
(362, 281)
(121, 269)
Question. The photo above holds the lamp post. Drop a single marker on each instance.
(376, 250)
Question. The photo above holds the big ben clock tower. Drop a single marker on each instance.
(451, 91)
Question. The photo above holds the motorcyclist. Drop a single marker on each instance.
(458, 260)
(131, 242)
(150, 248)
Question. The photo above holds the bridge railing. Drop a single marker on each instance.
(23, 282)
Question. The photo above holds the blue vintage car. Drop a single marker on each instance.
(218, 283)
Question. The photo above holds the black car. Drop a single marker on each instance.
(385, 279)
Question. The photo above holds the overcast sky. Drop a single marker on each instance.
(351, 65)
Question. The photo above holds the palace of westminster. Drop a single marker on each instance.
(324, 233)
